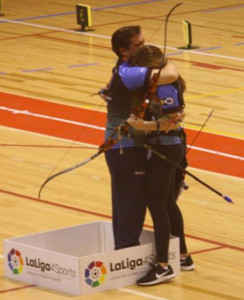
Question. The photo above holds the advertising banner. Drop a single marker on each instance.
(123, 267)
(81, 259)
(41, 267)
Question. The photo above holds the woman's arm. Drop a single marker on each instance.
(137, 77)
(168, 74)
(170, 122)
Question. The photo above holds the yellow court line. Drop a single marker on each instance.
(216, 93)
(228, 134)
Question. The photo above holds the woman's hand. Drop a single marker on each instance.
(171, 122)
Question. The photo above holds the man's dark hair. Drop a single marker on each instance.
(121, 38)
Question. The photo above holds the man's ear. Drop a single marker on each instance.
(124, 52)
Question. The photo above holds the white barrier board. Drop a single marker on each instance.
(81, 259)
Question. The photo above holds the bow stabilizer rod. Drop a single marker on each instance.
(149, 147)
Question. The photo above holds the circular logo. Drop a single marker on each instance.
(95, 273)
(15, 261)
(168, 101)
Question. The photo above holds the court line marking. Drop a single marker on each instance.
(223, 8)
(202, 53)
(216, 152)
(38, 70)
(95, 148)
(93, 213)
(148, 296)
(213, 131)
(188, 126)
(135, 3)
(215, 93)
(207, 250)
(52, 137)
(216, 173)
(28, 113)
(92, 9)
(44, 146)
(56, 28)
(109, 37)
(18, 288)
(42, 135)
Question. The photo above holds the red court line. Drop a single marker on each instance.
(161, 16)
(46, 146)
(207, 250)
(55, 204)
(233, 146)
(72, 41)
(206, 140)
(216, 163)
(133, 20)
(52, 109)
(214, 242)
(208, 66)
(52, 127)
(26, 35)
(194, 63)
(109, 217)
(16, 289)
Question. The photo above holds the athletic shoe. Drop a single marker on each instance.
(157, 275)
(186, 264)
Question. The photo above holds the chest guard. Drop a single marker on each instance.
(168, 99)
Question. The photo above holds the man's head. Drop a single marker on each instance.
(126, 40)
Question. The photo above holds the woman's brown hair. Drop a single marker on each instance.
(152, 57)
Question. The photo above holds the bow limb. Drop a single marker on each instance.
(165, 41)
(151, 91)
(68, 170)
(114, 138)
(166, 25)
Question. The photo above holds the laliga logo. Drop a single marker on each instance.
(95, 273)
(15, 261)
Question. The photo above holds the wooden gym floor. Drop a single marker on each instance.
(50, 119)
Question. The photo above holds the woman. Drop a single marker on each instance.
(167, 104)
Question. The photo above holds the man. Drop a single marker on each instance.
(127, 159)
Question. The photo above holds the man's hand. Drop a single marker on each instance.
(104, 94)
